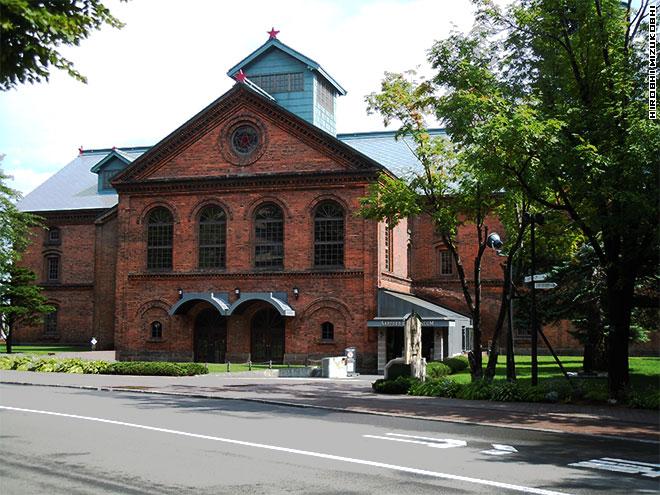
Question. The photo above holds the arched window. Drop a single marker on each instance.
(329, 235)
(50, 324)
(269, 237)
(156, 330)
(159, 239)
(212, 237)
(53, 268)
(327, 331)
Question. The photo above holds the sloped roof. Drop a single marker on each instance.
(75, 187)
(275, 43)
(395, 155)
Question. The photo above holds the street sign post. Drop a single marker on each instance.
(539, 277)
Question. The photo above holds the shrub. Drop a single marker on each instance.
(398, 369)
(457, 364)
(194, 368)
(506, 392)
(149, 368)
(401, 385)
(647, 399)
(479, 390)
(443, 387)
(437, 370)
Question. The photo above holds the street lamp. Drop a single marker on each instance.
(495, 242)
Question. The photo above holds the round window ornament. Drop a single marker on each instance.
(243, 141)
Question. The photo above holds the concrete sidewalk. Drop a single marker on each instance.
(355, 395)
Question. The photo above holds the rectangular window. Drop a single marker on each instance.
(325, 95)
(53, 235)
(446, 263)
(106, 177)
(50, 324)
(53, 268)
(467, 339)
(389, 249)
(279, 83)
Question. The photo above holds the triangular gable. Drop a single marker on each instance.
(211, 116)
(276, 44)
(115, 154)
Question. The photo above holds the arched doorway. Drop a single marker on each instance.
(267, 336)
(210, 339)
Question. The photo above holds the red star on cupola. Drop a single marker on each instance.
(240, 76)
(272, 33)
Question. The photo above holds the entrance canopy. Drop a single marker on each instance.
(394, 307)
(220, 301)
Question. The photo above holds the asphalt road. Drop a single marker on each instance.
(56, 440)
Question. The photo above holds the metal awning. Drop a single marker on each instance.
(220, 301)
(394, 307)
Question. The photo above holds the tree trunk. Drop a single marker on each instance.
(595, 357)
(491, 367)
(9, 337)
(620, 291)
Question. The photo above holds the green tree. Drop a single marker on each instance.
(21, 302)
(32, 32)
(582, 64)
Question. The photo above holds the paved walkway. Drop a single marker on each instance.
(355, 395)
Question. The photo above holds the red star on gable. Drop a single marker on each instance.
(240, 76)
(272, 33)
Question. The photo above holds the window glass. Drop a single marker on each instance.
(50, 323)
(212, 237)
(156, 330)
(329, 235)
(327, 331)
(279, 83)
(269, 237)
(53, 268)
(159, 239)
(446, 263)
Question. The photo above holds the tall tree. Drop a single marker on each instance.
(32, 32)
(20, 299)
(582, 63)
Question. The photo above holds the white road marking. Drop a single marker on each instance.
(500, 449)
(393, 467)
(621, 466)
(439, 443)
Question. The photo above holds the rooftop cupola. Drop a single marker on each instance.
(296, 82)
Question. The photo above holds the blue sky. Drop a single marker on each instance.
(171, 61)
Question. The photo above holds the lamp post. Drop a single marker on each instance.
(533, 219)
(495, 243)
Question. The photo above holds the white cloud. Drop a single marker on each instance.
(170, 61)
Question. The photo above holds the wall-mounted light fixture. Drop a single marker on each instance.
(296, 292)
(180, 291)
(237, 292)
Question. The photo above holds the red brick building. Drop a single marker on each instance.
(236, 238)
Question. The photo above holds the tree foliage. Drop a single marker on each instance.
(20, 299)
(32, 33)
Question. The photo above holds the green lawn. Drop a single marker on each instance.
(42, 349)
(644, 371)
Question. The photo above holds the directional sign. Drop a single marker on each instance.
(539, 277)
(545, 285)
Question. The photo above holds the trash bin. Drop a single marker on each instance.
(351, 361)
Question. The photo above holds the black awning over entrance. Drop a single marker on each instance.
(394, 307)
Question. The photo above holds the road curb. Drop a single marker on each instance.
(331, 408)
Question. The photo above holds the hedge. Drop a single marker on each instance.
(457, 363)
(72, 365)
